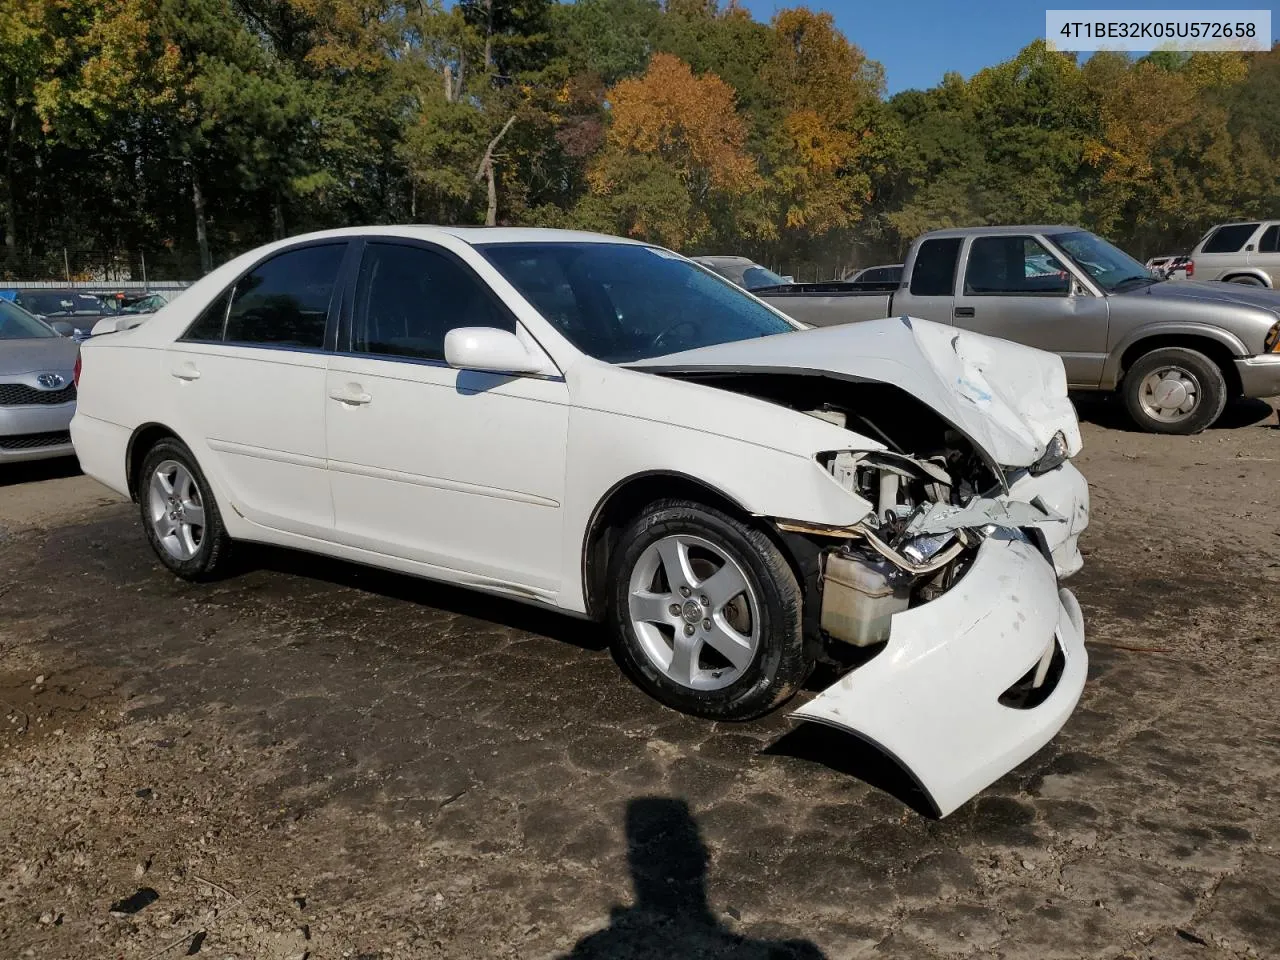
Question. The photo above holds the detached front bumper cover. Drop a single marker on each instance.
(931, 698)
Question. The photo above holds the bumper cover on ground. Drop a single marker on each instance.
(930, 699)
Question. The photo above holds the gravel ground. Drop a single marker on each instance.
(314, 760)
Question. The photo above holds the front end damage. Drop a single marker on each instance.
(951, 583)
(962, 654)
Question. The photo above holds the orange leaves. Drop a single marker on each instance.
(689, 122)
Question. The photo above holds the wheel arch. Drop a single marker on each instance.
(623, 501)
(1218, 346)
(1252, 272)
(143, 438)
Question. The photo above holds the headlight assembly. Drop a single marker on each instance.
(1055, 454)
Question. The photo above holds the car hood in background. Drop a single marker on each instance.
(37, 355)
(1008, 399)
(1211, 292)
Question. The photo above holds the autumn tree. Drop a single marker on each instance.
(674, 149)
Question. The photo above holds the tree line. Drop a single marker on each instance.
(187, 131)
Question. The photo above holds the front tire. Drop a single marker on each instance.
(180, 514)
(706, 612)
(1174, 390)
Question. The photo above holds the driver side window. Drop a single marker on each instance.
(408, 297)
(1013, 266)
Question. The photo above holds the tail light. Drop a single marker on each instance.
(75, 374)
(1191, 269)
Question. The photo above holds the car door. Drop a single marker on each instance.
(457, 469)
(1016, 288)
(249, 378)
(1267, 256)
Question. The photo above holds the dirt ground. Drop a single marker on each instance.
(315, 760)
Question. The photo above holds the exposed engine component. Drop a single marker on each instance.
(861, 593)
(912, 547)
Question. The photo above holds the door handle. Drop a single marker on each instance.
(963, 312)
(351, 395)
(186, 371)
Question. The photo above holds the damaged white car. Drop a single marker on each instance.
(605, 427)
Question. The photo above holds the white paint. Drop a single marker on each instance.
(491, 481)
(930, 697)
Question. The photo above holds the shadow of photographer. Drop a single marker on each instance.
(670, 918)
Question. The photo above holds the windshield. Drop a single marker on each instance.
(622, 302)
(756, 277)
(17, 324)
(1111, 268)
(62, 303)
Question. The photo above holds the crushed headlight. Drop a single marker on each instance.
(1055, 455)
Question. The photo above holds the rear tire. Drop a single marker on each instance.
(688, 582)
(180, 514)
(1174, 390)
(1247, 280)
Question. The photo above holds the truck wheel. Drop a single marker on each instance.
(1247, 280)
(1174, 390)
(706, 612)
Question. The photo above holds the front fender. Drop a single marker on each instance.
(1112, 370)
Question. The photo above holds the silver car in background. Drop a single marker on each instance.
(37, 387)
(1247, 253)
(743, 271)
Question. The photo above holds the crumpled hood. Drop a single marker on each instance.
(1008, 399)
(1213, 293)
(37, 355)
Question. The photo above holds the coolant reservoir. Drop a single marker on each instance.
(860, 596)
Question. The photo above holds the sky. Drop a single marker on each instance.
(920, 40)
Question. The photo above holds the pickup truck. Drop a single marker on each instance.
(1175, 352)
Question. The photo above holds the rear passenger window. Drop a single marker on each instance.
(934, 274)
(285, 301)
(1270, 242)
(408, 298)
(1229, 239)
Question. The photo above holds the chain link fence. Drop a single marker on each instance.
(79, 266)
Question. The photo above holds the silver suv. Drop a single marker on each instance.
(1246, 253)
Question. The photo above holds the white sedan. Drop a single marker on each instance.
(604, 427)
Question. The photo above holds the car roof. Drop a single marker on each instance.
(1006, 230)
(475, 236)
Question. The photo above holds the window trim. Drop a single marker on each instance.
(1034, 294)
(1268, 228)
(960, 254)
(1243, 243)
(345, 332)
(327, 343)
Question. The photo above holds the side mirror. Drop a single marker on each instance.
(489, 350)
(63, 328)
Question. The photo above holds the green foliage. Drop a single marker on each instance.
(180, 127)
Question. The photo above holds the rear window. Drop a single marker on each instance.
(1229, 239)
(934, 274)
(1270, 242)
